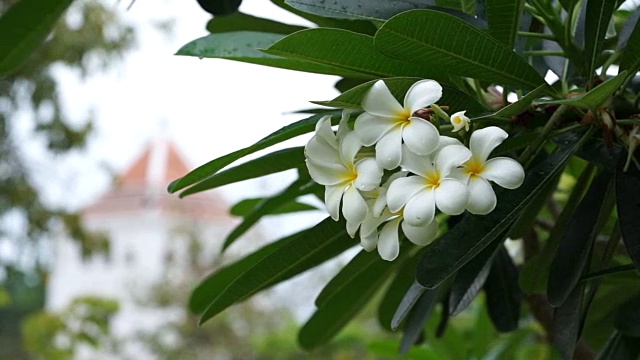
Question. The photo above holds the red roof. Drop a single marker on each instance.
(143, 186)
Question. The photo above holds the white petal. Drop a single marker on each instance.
(326, 174)
(369, 174)
(354, 208)
(422, 94)
(483, 141)
(343, 126)
(379, 101)
(459, 120)
(332, 196)
(389, 149)
(451, 196)
(352, 228)
(369, 242)
(417, 164)
(505, 172)
(370, 128)
(321, 152)
(420, 136)
(323, 130)
(459, 174)
(420, 235)
(403, 189)
(450, 157)
(446, 141)
(388, 242)
(349, 147)
(482, 199)
(421, 208)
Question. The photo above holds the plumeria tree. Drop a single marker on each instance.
(477, 146)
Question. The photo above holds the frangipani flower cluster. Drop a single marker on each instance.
(425, 172)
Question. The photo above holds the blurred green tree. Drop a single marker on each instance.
(90, 43)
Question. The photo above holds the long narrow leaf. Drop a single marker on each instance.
(628, 203)
(417, 319)
(247, 206)
(307, 250)
(290, 131)
(465, 240)
(378, 10)
(243, 46)
(24, 26)
(567, 322)
(444, 43)
(504, 18)
(503, 293)
(239, 21)
(344, 301)
(349, 51)
(299, 187)
(399, 286)
(275, 162)
(597, 20)
(596, 96)
(219, 280)
(572, 254)
(630, 61)
(470, 279)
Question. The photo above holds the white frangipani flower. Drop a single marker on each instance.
(460, 121)
(331, 160)
(388, 124)
(478, 171)
(387, 239)
(431, 188)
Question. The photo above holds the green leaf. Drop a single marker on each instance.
(301, 186)
(349, 51)
(503, 293)
(504, 19)
(219, 280)
(627, 319)
(522, 104)
(470, 279)
(345, 297)
(567, 323)
(597, 96)
(24, 27)
(239, 21)
(290, 131)
(363, 262)
(220, 7)
(359, 26)
(272, 163)
(399, 286)
(534, 275)
(243, 46)
(409, 299)
(628, 204)
(456, 99)
(574, 248)
(444, 43)
(629, 60)
(620, 347)
(418, 317)
(301, 253)
(597, 20)
(247, 206)
(377, 10)
(465, 240)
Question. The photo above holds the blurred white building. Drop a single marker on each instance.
(155, 238)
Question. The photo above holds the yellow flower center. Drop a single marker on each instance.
(350, 175)
(457, 120)
(402, 118)
(474, 166)
(433, 179)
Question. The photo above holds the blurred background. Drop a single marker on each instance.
(97, 261)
